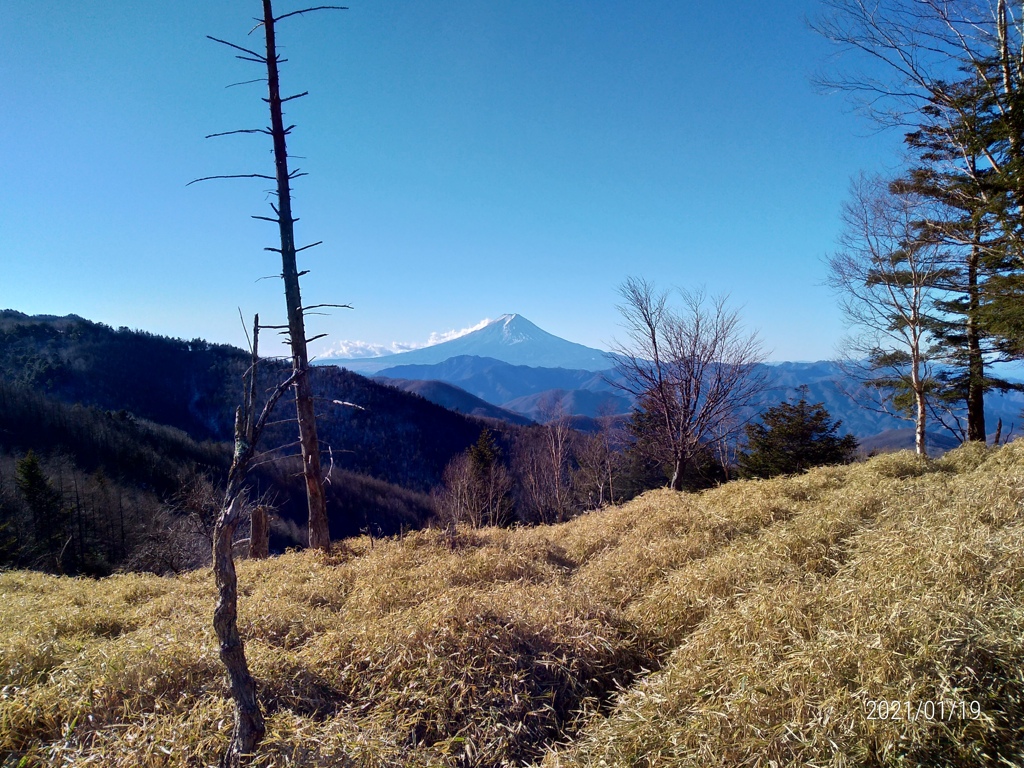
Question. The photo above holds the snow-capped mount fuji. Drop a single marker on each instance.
(511, 338)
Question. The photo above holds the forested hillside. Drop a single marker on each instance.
(83, 490)
(195, 387)
(149, 414)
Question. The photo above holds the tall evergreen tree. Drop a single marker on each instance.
(978, 286)
(49, 518)
(956, 79)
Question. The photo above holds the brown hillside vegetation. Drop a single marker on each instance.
(754, 624)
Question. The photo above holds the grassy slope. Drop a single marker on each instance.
(769, 612)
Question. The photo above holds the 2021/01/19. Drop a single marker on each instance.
(943, 709)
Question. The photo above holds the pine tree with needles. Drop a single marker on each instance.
(792, 438)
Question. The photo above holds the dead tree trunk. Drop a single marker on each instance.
(248, 725)
(248, 721)
(319, 536)
(259, 538)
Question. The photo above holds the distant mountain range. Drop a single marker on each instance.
(500, 364)
(511, 339)
(903, 439)
(495, 379)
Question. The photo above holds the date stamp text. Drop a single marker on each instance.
(943, 710)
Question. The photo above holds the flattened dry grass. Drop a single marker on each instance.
(751, 624)
(924, 603)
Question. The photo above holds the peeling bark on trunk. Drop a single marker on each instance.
(920, 399)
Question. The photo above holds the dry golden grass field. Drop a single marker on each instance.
(863, 615)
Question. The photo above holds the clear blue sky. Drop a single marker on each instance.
(468, 158)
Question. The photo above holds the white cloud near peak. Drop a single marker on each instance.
(349, 349)
(438, 338)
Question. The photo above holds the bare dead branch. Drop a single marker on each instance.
(259, 58)
(311, 245)
(233, 176)
(310, 10)
(246, 330)
(241, 130)
(348, 404)
(320, 306)
(247, 82)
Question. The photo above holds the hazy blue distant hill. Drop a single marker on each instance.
(574, 402)
(937, 443)
(511, 339)
(794, 374)
(827, 384)
(455, 399)
(195, 385)
(499, 382)
(532, 391)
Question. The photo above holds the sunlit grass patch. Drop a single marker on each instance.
(908, 653)
(756, 622)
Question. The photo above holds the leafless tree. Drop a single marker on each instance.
(295, 330)
(919, 51)
(453, 503)
(473, 494)
(885, 275)
(692, 370)
(168, 542)
(599, 459)
(542, 461)
(199, 502)
(248, 721)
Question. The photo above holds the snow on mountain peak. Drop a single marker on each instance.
(510, 338)
(516, 329)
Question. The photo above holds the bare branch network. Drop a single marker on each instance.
(692, 370)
